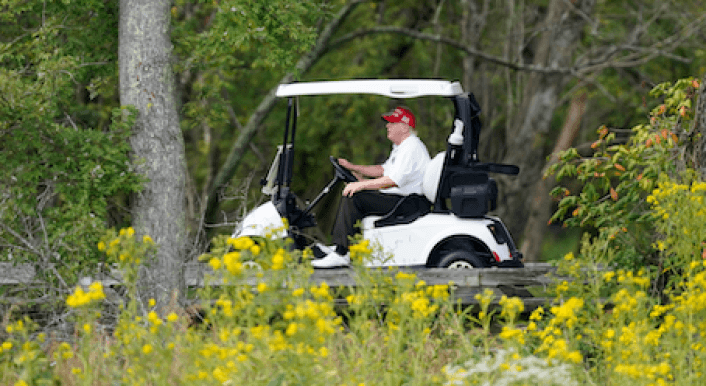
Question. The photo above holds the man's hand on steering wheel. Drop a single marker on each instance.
(341, 172)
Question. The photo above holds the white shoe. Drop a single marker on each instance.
(332, 260)
(320, 251)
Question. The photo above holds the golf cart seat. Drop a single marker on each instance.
(407, 210)
(414, 206)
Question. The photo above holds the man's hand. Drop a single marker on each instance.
(351, 166)
(345, 163)
(353, 187)
(360, 171)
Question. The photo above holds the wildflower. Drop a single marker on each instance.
(511, 307)
(81, 298)
(298, 292)
(486, 297)
(240, 243)
(154, 318)
(512, 334)
(537, 314)
(359, 250)
(232, 262)
(278, 259)
(566, 313)
(215, 263)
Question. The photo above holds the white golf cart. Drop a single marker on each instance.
(448, 226)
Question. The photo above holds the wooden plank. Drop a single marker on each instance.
(466, 283)
(532, 274)
(16, 274)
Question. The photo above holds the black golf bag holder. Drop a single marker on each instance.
(472, 194)
(465, 188)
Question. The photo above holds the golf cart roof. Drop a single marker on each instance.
(393, 88)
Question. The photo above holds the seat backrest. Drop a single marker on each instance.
(432, 176)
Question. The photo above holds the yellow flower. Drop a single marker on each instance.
(512, 334)
(298, 292)
(511, 307)
(215, 263)
(80, 297)
(147, 348)
(172, 317)
(278, 259)
(566, 313)
(359, 250)
(240, 243)
(154, 318)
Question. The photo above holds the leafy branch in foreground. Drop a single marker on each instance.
(616, 179)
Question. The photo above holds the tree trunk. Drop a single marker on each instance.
(147, 83)
(541, 205)
(527, 144)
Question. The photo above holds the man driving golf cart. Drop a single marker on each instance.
(401, 175)
(446, 224)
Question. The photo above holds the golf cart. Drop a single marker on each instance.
(448, 226)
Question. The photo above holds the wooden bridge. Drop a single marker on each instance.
(519, 282)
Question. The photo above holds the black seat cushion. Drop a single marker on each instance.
(407, 210)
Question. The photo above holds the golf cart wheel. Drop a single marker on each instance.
(461, 259)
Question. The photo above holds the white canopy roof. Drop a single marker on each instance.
(393, 88)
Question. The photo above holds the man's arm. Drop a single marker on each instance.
(383, 182)
(374, 171)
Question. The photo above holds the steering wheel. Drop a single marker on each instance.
(342, 172)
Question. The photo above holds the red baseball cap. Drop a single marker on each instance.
(400, 114)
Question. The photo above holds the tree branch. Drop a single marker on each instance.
(638, 55)
(451, 42)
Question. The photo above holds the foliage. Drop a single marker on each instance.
(618, 177)
(230, 53)
(272, 325)
(63, 139)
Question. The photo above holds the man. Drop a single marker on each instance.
(402, 174)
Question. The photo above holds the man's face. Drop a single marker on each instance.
(396, 132)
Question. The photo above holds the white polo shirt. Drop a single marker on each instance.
(406, 166)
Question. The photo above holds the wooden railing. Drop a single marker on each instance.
(466, 282)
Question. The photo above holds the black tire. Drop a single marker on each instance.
(461, 259)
